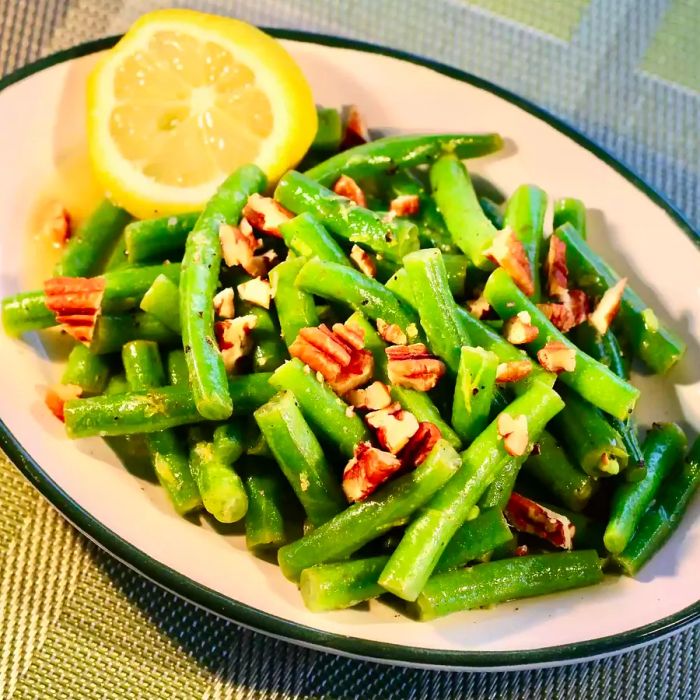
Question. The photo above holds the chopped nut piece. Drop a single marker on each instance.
(405, 205)
(233, 337)
(513, 371)
(350, 411)
(223, 303)
(57, 395)
(519, 329)
(608, 306)
(520, 551)
(526, 515)
(246, 228)
(413, 366)
(560, 315)
(513, 430)
(56, 225)
(357, 373)
(238, 248)
(355, 129)
(420, 445)
(363, 260)
(265, 214)
(367, 470)
(328, 343)
(256, 291)
(350, 334)
(557, 271)
(374, 397)
(507, 251)
(76, 301)
(391, 332)
(345, 186)
(394, 427)
(479, 307)
(578, 303)
(557, 357)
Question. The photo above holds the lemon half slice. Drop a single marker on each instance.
(182, 100)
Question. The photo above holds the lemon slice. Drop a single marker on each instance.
(182, 100)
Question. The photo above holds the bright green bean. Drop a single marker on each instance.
(474, 390)
(85, 369)
(162, 300)
(159, 239)
(309, 239)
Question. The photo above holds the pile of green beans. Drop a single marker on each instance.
(271, 443)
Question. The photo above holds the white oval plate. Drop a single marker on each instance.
(41, 118)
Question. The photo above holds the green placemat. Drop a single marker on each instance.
(75, 623)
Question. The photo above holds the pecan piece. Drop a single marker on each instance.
(513, 371)
(328, 343)
(513, 430)
(557, 357)
(608, 306)
(420, 445)
(363, 261)
(519, 330)
(405, 205)
(560, 314)
(76, 301)
(350, 334)
(57, 395)
(556, 269)
(224, 305)
(413, 366)
(507, 251)
(391, 332)
(345, 186)
(393, 426)
(373, 398)
(479, 307)
(265, 214)
(526, 515)
(238, 248)
(56, 225)
(355, 129)
(233, 337)
(367, 470)
(357, 373)
(256, 291)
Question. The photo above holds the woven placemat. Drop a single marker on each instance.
(75, 623)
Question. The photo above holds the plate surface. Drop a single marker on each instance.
(41, 120)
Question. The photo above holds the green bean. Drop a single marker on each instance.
(432, 229)
(474, 539)
(570, 211)
(390, 238)
(656, 345)
(300, 457)
(499, 490)
(309, 239)
(200, 276)
(341, 584)
(427, 536)
(498, 581)
(435, 304)
(323, 409)
(269, 352)
(663, 517)
(663, 448)
(162, 300)
(525, 212)
(474, 390)
(456, 266)
(229, 441)
(25, 312)
(176, 367)
(454, 193)
(329, 132)
(159, 239)
(349, 286)
(550, 466)
(114, 330)
(89, 246)
(117, 258)
(492, 211)
(392, 152)
(295, 307)
(592, 443)
(592, 380)
(85, 369)
(144, 371)
(157, 409)
(367, 520)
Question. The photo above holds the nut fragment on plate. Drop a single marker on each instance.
(557, 357)
(507, 251)
(526, 515)
(345, 186)
(350, 334)
(256, 291)
(77, 302)
(420, 445)
(367, 470)
(405, 205)
(265, 214)
(513, 371)
(57, 395)
(393, 426)
(556, 269)
(391, 332)
(356, 132)
(363, 261)
(238, 248)
(224, 305)
(56, 224)
(233, 337)
(479, 307)
(372, 398)
(519, 330)
(608, 306)
(414, 367)
(513, 430)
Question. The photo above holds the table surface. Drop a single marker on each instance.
(75, 623)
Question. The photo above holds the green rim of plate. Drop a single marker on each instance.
(308, 636)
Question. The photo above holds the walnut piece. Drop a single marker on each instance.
(513, 371)
(420, 445)
(233, 337)
(391, 332)
(57, 395)
(224, 305)
(77, 302)
(356, 132)
(405, 205)
(363, 261)
(256, 291)
(556, 269)
(373, 398)
(367, 470)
